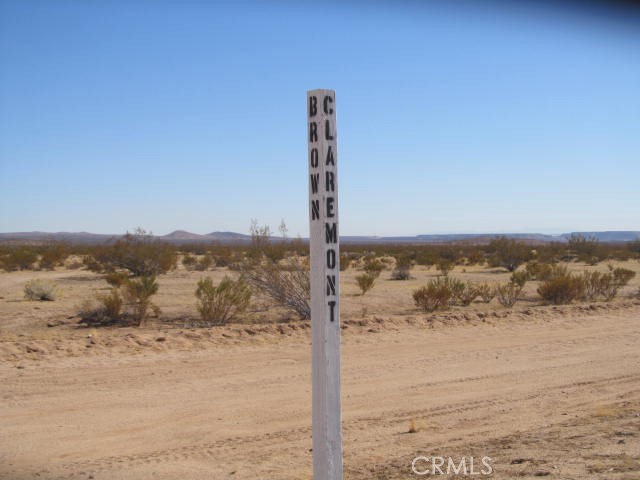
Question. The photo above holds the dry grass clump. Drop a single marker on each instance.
(219, 304)
(40, 289)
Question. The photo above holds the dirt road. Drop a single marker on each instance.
(555, 396)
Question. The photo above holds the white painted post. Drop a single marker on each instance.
(325, 285)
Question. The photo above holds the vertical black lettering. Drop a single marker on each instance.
(315, 209)
(331, 233)
(330, 160)
(327, 130)
(313, 106)
(329, 182)
(328, 110)
(314, 182)
(330, 207)
(331, 258)
(332, 305)
(314, 158)
(313, 132)
(331, 285)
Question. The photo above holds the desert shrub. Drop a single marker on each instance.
(116, 279)
(189, 261)
(475, 256)
(112, 304)
(519, 278)
(445, 266)
(104, 310)
(138, 293)
(219, 304)
(18, 258)
(539, 271)
(40, 289)
(586, 249)
(562, 288)
(621, 276)
(597, 284)
(436, 295)
(138, 253)
(402, 269)
(486, 292)
(53, 255)
(466, 295)
(205, 262)
(507, 253)
(365, 281)
(508, 293)
(457, 288)
(372, 266)
(287, 284)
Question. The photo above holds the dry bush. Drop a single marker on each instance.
(53, 255)
(445, 266)
(205, 262)
(40, 289)
(539, 271)
(486, 292)
(598, 284)
(365, 281)
(519, 278)
(104, 310)
(189, 261)
(218, 305)
(138, 293)
(287, 284)
(621, 276)
(18, 258)
(436, 295)
(402, 270)
(373, 266)
(562, 288)
(507, 253)
(116, 279)
(508, 293)
(468, 293)
(138, 253)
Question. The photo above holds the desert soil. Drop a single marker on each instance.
(545, 392)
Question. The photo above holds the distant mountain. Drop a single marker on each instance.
(614, 236)
(181, 237)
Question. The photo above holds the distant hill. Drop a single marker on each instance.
(181, 237)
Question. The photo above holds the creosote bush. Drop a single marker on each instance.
(436, 295)
(373, 266)
(508, 293)
(486, 292)
(138, 253)
(402, 270)
(365, 281)
(219, 304)
(621, 276)
(40, 289)
(562, 287)
(468, 293)
(138, 293)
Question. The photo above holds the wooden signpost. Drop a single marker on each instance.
(325, 284)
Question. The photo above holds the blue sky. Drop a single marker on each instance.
(453, 116)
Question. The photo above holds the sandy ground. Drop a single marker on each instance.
(543, 391)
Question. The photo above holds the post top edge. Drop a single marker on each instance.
(320, 90)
